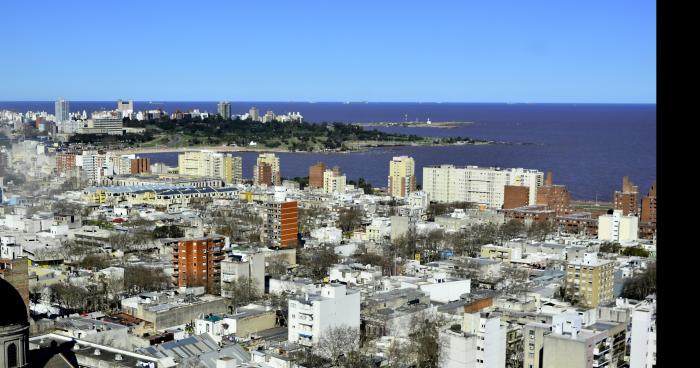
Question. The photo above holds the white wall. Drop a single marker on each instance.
(446, 292)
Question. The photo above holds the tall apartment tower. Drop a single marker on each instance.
(333, 181)
(402, 176)
(627, 200)
(590, 280)
(281, 224)
(316, 175)
(197, 262)
(65, 163)
(233, 169)
(61, 110)
(480, 342)
(224, 109)
(554, 197)
(648, 213)
(253, 113)
(260, 171)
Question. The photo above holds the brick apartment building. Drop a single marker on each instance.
(197, 262)
(316, 175)
(515, 196)
(554, 197)
(627, 200)
(140, 165)
(281, 224)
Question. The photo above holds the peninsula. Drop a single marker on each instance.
(245, 134)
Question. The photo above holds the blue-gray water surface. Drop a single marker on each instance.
(588, 147)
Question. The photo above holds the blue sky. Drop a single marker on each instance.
(299, 50)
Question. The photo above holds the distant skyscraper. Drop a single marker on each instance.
(253, 113)
(224, 109)
(125, 107)
(61, 111)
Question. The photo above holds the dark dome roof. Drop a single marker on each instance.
(14, 311)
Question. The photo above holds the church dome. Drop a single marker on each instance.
(14, 311)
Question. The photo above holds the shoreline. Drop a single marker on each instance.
(359, 147)
(437, 124)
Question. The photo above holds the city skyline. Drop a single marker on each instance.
(438, 52)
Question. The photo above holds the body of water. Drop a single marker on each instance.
(588, 147)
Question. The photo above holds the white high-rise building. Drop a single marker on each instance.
(481, 343)
(643, 337)
(311, 316)
(484, 185)
(617, 227)
(62, 110)
(94, 165)
(333, 182)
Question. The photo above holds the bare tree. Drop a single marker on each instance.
(242, 291)
(337, 343)
(425, 344)
(349, 218)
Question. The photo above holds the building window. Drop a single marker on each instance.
(12, 355)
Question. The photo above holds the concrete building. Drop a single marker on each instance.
(233, 169)
(590, 280)
(267, 164)
(281, 224)
(243, 323)
(243, 265)
(223, 108)
(480, 342)
(601, 344)
(333, 181)
(316, 175)
(201, 163)
(617, 227)
(65, 163)
(62, 110)
(197, 262)
(125, 107)
(627, 200)
(253, 114)
(169, 309)
(483, 185)
(311, 316)
(104, 125)
(402, 176)
(500, 253)
(643, 337)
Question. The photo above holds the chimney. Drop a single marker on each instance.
(548, 180)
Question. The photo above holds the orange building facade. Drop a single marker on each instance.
(140, 165)
(282, 224)
(197, 262)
